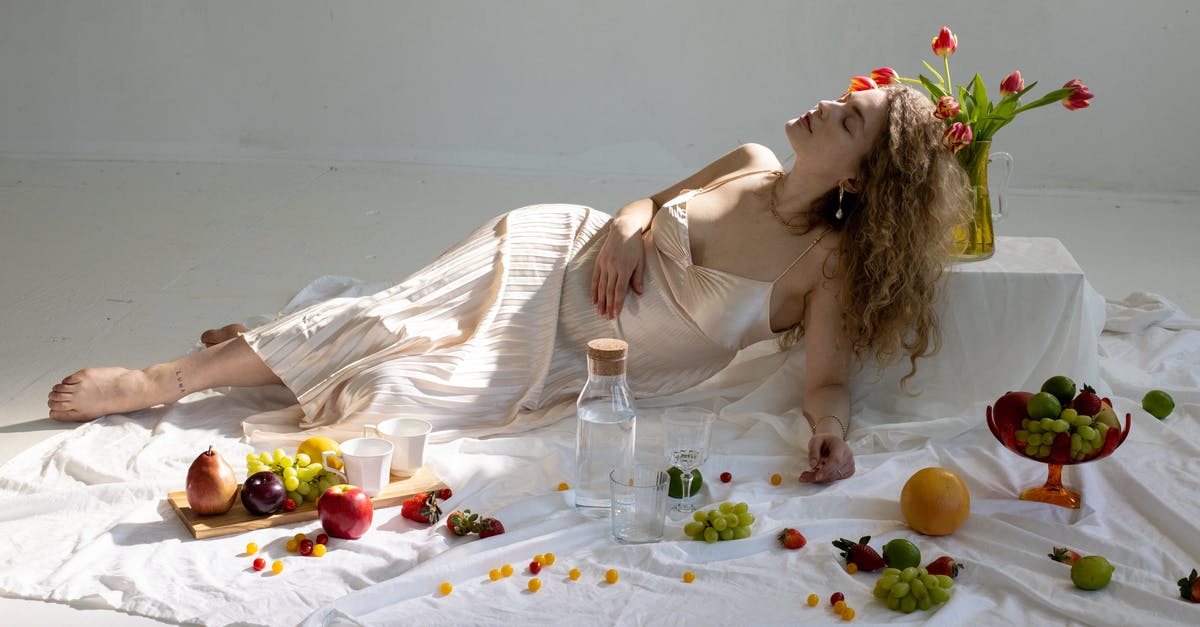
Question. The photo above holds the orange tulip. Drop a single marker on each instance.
(1012, 84)
(861, 83)
(956, 136)
(947, 107)
(945, 43)
(884, 76)
(1079, 98)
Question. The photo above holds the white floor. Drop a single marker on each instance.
(122, 263)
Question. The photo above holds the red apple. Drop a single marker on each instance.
(345, 511)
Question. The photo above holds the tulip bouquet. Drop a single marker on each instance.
(967, 110)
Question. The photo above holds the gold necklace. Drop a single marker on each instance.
(794, 229)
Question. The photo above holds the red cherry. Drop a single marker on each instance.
(289, 505)
(306, 546)
(445, 494)
(260, 563)
(726, 477)
(323, 539)
(837, 596)
(535, 567)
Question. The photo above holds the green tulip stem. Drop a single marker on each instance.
(946, 61)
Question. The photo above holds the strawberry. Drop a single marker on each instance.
(1189, 587)
(1064, 555)
(421, 507)
(462, 523)
(792, 539)
(860, 554)
(445, 494)
(489, 527)
(1087, 403)
(944, 565)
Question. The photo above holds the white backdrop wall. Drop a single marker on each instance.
(651, 88)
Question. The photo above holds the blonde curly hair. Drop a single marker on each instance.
(896, 238)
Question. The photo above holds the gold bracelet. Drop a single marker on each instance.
(813, 426)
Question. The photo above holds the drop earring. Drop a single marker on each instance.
(841, 192)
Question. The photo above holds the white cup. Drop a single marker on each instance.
(365, 462)
(408, 435)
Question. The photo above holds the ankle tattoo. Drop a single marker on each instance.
(179, 381)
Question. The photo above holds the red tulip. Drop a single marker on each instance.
(945, 43)
(861, 83)
(1079, 98)
(1012, 84)
(884, 76)
(947, 107)
(956, 136)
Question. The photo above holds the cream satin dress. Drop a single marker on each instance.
(491, 337)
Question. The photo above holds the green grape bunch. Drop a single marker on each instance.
(912, 589)
(724, 522)
(304, 479)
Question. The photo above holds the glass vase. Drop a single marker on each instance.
(976, 240)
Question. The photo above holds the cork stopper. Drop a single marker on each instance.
(606, 356)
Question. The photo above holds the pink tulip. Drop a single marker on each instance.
(945, 43)
(947, 107)
(884, 76)
(1079, 98)
(861, 83)
(956, 136)
(1012, 84)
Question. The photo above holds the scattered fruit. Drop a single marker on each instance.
(535, 584)
(689, 577)
(726, 477)
(494, 574)
(298, 537)
(848, 614)
(935, 502)
(251, 548)
(860, 553)
(727, 521)
(813, 600)
(322, 539)
(289, 505)
(506, 570)
(901, 553)
(1092, 572)
(851, 568)
(944, 565)
(277, 567)
(912, 589)
(563, 487)
(292, 546)
(489, 527)
(549, 559)
(318, 550)
(776, 479)
(535, 567)
(421, 507)
(1158, 404)
(461, 523)
(346, 511)
(792, 539)
(574, 574)
(839, 606)
(259, 563)
(445, 588)
(610, 576)
(675, 487)
(1189, 587)
(539, 558)
(263, 493)
(1064, 555)
(306, 547)
(211, 485)
(835, 597)
(445, 494)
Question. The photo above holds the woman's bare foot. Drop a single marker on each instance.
(212, 337)
(94, 392)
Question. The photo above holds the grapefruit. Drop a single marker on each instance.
(935, 501)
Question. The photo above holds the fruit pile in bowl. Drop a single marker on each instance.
(1057, 425)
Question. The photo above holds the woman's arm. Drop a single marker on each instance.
(622, 257)
(826, 386)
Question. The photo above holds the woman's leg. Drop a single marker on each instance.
(94, 392)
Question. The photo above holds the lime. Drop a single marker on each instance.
(1091, 573)
(901, 553)
(675, 488)
(1043, 405)
(1062, 387)
(1158, 403)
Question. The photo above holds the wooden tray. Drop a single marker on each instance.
(238, 519)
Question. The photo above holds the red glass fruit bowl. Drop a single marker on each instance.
(1004, 423)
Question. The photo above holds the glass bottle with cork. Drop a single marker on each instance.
(607, 424)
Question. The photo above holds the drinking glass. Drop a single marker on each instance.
(685, 443)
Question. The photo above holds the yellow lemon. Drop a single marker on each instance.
(314, 446)
(935, 501)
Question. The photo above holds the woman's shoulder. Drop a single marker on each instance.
(758, 157)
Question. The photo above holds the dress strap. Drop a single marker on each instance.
(797, 260)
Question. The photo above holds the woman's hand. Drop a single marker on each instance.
(829, 458)
(619, 266)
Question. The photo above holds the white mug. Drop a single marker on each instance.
(408, 435)
(365, 461)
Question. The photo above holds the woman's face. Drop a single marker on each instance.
(832, 139)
